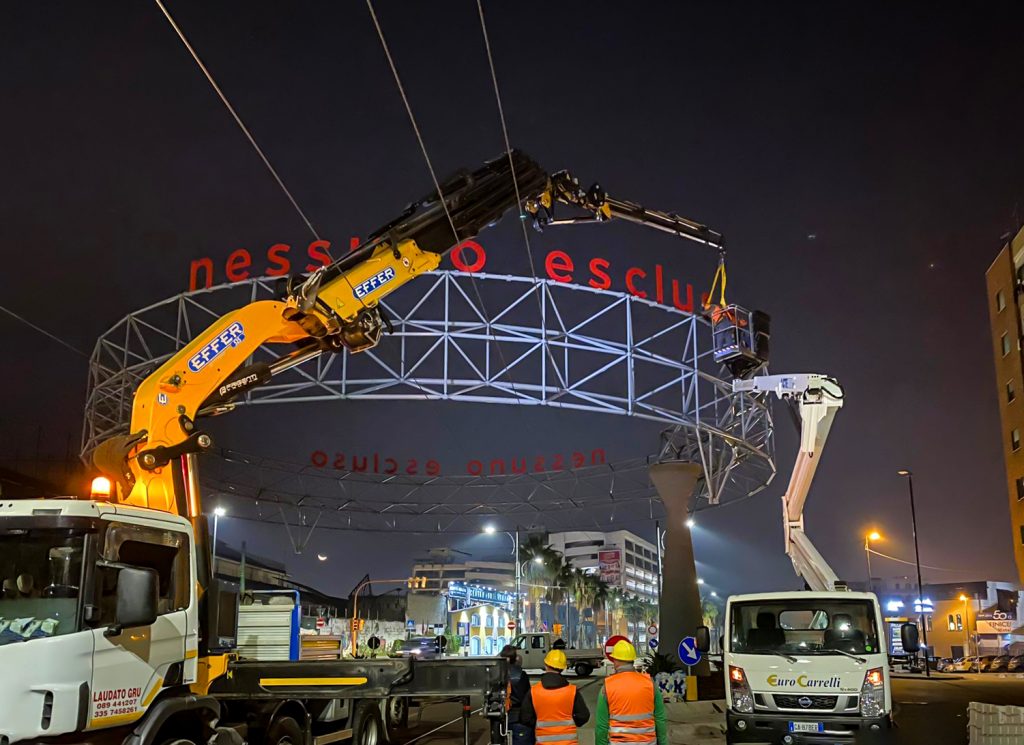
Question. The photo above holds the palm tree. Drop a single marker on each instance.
(615, 606)
(560, 589)
(599, 600)
(633, 609)
(582, 587)
(542, 566)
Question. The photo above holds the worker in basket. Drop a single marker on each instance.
(629, 708)
(554, 707)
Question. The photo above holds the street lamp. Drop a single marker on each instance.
(909, 475)
(491, 530)
(874, 535)
(967, 637)
(218, 513)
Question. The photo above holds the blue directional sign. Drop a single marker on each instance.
(652, 643)
(688, 651)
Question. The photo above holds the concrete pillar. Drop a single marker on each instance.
(680, 596)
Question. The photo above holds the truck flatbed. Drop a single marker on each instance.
(359, 679)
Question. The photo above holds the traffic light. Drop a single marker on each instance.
(358, 624)
(416, 583)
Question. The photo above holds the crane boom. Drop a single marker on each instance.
(818, 399)
(334, 309)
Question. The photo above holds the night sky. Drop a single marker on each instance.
(863, 161)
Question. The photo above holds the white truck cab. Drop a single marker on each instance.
(806, 667)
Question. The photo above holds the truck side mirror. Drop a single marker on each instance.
(137, 591)
(703, 637)
(909, 638)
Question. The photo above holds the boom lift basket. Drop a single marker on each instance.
(740, 338)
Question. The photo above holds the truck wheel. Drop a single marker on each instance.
(178, 741)
(367, 727)
(285, 731)
(397, 715)
(583, 669)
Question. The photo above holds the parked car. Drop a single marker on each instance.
(1016, 664)
(964, 665)
(943, 663)
(421, 647)
(984, 662)
(999, 664)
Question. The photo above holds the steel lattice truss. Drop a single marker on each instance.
(532, 343)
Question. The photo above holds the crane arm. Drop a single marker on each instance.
(333, 309)
(565, 188)
(818, 399)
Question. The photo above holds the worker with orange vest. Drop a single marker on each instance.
(554, 707)
(629, 709)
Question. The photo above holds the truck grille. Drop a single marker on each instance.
(806, 703)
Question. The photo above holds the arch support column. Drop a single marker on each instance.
(680, 609)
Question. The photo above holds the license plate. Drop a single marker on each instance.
(806, 727)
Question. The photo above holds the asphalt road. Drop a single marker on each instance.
(449, 714)
(928, 712)
(935, 711)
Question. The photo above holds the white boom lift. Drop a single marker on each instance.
(818, 397)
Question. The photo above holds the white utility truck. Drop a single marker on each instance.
(534, 646)
(811, 665)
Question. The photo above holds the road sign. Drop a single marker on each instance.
(688, 651)
(321, 622)
(373, 642)
(610, 644)
(652, 643)
(410, 625)
(511, 625)
(652, 630)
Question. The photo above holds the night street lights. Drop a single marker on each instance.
(874, 535)
(218, 513)
(491, 530)
(967, 637)
(917, 560)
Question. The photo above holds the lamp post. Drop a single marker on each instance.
(917, 560)
(874, 535)
(967, 626)
(491, 530)
(218, 513)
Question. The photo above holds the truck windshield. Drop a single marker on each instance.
(803, 626)
(41, 572)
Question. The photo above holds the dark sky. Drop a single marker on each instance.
(889, 133)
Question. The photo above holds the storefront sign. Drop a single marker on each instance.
(996, 622)
(473, 594)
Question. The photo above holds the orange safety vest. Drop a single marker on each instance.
(630, 698)
(554, 714)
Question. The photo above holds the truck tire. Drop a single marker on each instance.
(583, 669)
(367, 726)
(178, 741)
(396, 717)
(285, 731)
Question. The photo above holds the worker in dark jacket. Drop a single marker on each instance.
(519, 684)
(554, 708)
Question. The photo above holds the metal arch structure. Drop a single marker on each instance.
(548, 344)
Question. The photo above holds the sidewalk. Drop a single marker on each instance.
(696, 722)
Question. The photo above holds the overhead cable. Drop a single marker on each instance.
(43, 331)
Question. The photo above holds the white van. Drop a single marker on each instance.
(806, 667)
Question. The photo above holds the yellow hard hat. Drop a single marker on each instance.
(556, 659)
(623, 651)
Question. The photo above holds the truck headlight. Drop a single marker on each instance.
(872, 693)
(742, 698)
